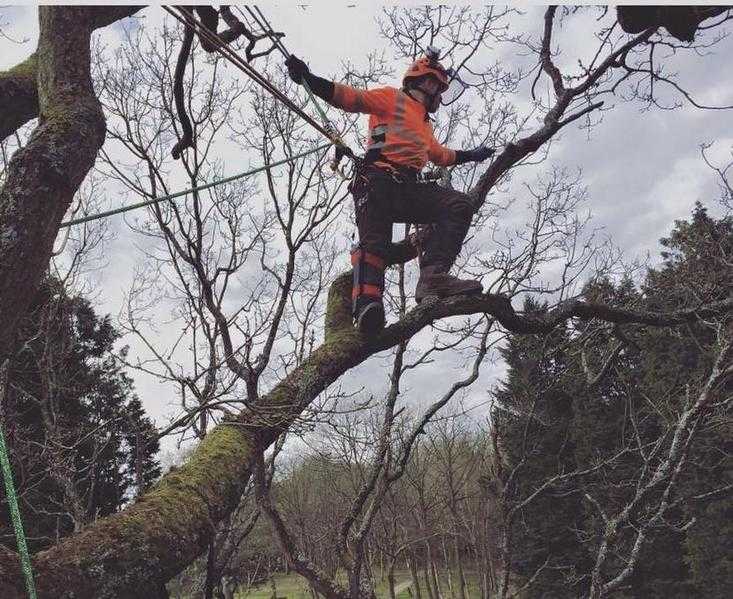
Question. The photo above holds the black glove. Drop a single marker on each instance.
(476, 155)
(482, 153)
(297, 69)
(300, 73)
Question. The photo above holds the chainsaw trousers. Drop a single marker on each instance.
(381, 201)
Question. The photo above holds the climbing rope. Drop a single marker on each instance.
(264, 24)
(226, 51)
(327, 129)
(91, 217)
(12, 498)
(341, 148)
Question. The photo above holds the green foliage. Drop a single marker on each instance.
(709, 550)
(551, 419)
(534, 421)
(81, 445)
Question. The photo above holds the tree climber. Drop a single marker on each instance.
(387, 189)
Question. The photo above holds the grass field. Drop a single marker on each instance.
(293, 587)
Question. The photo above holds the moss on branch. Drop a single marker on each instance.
(167, 528)
(19, 85)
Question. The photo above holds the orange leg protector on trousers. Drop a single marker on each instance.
(367, 290)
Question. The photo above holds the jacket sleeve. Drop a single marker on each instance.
(440, 155)
(369, 101)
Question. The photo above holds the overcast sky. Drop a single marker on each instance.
(642, 169)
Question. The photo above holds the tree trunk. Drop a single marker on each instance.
(448, 569)
(413, 574)
(273, 586)
(229, 588)
(43, 177)
(488, 580)
(459, 566)
(437, 592)
(428, 584)
(390, 580)
(54, 84)
(436, 579)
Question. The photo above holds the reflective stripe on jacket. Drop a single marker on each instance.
(397, 126)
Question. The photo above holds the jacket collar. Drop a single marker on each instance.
(426, 114)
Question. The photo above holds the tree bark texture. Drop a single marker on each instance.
(428, 585)
(390, 580)
(459, 567)
(413, 575)
(43, 177)
(448, 569)
(54, 84)
(18, 96)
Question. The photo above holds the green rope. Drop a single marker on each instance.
(12, 498)
(321, 112)
(267, 28)
(172, 196)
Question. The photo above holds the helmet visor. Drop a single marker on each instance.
(455, 90)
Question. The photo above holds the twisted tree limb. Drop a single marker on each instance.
(125, 555)
(43, 176)
(19, 85)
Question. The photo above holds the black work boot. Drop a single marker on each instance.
(369, 316)
(435, 280)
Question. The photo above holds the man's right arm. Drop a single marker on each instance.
(300, 73)
(341, 96)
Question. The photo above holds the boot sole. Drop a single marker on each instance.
(371, 319)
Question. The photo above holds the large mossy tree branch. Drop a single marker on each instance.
(43, 176)
(133, 552)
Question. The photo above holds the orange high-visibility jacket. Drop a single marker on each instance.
(398, 126)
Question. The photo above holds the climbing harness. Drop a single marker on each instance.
(12, 498)
(172, 196)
